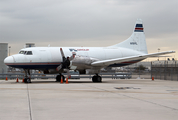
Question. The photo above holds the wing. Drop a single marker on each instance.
(127, 59)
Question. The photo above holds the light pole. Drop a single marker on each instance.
(158, 51)
(9, 50)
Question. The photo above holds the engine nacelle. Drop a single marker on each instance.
(83, 61)
(83, 64)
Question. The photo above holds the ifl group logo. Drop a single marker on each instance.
(75, 50)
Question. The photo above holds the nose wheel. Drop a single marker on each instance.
(27, 79)
(96, 78)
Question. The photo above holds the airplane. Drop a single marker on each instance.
(87, 60)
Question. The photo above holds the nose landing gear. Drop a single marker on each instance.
(27, 79)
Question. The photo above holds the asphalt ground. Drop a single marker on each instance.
(114, 99)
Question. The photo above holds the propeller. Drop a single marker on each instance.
(65, 62)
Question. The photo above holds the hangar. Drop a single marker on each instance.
(3, 55)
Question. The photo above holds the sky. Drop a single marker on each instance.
(88, 23)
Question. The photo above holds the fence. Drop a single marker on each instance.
(73, 76)
(165, 70)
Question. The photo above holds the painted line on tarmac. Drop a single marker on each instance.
(132, 97)
(29, 103)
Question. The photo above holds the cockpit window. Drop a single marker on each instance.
(29, 52)
(21, 52)
(26, 52)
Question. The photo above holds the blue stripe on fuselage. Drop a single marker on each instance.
(35, 66)
(52, 65)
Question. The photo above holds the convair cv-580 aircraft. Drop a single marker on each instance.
(84, 59)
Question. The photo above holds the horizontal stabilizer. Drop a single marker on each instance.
(127, 59)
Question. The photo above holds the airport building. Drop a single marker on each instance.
(3, 55)
(30, 45)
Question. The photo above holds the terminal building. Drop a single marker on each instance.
(3, 55)
(30, 45)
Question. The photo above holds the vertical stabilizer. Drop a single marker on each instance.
(137, 40)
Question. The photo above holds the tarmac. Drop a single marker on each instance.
(113, 99)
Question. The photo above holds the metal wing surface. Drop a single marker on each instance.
(127, 59)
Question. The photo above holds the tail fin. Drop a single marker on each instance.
(137, 40)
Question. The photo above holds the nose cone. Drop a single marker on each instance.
(8, 60)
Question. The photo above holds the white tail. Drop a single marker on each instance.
(136, 41)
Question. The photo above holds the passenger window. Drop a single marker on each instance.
(29, 53)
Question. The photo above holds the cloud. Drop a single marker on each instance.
(87, 23)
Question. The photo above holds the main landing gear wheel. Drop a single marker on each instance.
(27, 80)
(96, 78)
(58, 78)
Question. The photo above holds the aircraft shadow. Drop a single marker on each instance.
(69, 82)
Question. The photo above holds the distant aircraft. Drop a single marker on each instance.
(84, 59)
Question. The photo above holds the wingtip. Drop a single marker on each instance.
(172, 51)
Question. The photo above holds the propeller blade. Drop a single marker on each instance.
(66, 61)
(59, 67)
(73, 56)
(62, 53)
(68, 73)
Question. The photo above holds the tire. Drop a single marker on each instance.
(25, 80)
(58, 78)
(96, 79)
(99, 79)
(28, 80)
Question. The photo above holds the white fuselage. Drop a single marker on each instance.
(45, 58)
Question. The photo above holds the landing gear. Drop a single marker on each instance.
(96, 78)
(27, 79)
(58, 78)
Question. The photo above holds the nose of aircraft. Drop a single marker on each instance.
(9, 59)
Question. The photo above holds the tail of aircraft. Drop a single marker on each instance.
(137, 40)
